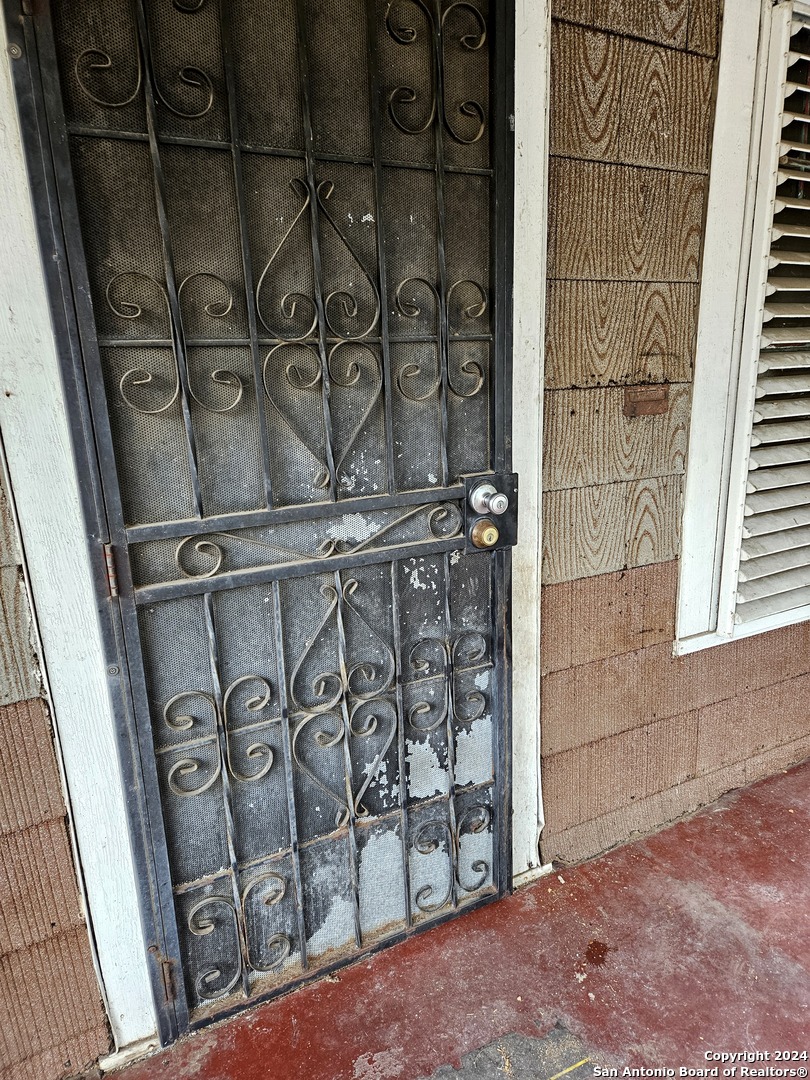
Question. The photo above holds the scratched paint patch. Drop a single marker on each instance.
(558, 1055)
(474, 752)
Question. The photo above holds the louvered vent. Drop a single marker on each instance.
(774, 573)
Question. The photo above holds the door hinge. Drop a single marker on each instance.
(169, 992)
(110, 570)
(28, 7)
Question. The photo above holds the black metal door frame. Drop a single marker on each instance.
(36, 82)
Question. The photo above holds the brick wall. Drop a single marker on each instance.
(52, 1021)
(633, 738)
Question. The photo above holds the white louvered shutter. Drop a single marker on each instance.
(774, 568)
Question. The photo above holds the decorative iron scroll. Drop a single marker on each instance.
(433, 658)
(212, 554)
(403, 31)
(217, 981)
(257, 751)
(437, 834)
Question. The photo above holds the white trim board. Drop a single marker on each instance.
(705, 593)
(45, 491)
(40, 463)
(532, 43)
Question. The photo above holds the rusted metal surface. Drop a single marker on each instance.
(646, 400)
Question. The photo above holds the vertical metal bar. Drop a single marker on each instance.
(444, 331)
(244, 240)
(314, 221)
(227, 798)
(502, 150)
(450, 729)
(401, 758)
(178, 335)
(374, 90)
(347, 758)
(289, 777)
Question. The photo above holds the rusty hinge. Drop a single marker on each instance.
(109, 566)
(166, 975)
(169, 992)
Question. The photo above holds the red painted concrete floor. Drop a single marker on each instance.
(696, 940)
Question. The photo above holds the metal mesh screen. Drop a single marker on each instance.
(285, 210)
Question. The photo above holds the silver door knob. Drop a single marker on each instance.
(486, 499)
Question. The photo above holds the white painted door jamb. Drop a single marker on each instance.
(532, 43)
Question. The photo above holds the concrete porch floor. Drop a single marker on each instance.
(694, 941)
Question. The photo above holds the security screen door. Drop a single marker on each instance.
(287, 252)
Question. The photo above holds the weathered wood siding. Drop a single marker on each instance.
(52, 1021)
(633, 738)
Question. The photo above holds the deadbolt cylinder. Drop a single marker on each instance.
(485, 534)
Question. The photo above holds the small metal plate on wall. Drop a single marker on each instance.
(477, 524)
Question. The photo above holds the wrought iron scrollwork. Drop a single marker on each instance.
(476, 819)
(91, 62)
(326, 689)
(212, 984)
(443, 521)
(257, 750)
(290, 301)
(469, 649)
(279, 945)
(412, 375)
(131, 307)
(404, 98)
(183, 721)
(98, 60)
(432, 659)
(357, 689)
(366, 719)
(430, 837)
(217, 981)
(323, 739)
(341, 306)
(426, 716)
(434, 835)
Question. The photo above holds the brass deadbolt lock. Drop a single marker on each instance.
(485, 534)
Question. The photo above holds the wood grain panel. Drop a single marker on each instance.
(48, 996)
(662, 21)
(704, 26)
(18, 680)
(643, 816)
(667, 21)
(9, 551)
(583, 532)
(30, 787)
(608, 222)
(685, 226)
(589, 440)
(621, 16)
(665, 326)
(586, 74)
(609, 615)
(596, 530)
(653, 520)
(575, 10)
(608, 333)
(590, 327)
(679, 24)
(38, 893)
(666, 107)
